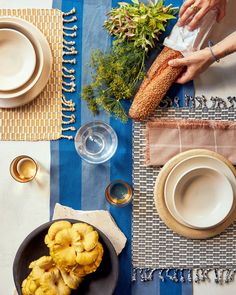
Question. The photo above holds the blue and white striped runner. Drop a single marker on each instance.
(81, 185)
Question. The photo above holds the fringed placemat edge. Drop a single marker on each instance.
(185, 275)
(68, 72)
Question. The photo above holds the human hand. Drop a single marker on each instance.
(194, 64)
(193, 11)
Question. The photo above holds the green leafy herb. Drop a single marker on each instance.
(115, 75)
(114, 78)
(139, 23)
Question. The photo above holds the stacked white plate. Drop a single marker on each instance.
(200, 192)
(25, 62)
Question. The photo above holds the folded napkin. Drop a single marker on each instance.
(166, 138)
(101, 219)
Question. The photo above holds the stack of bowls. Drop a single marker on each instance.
(199, 192)
(25, 62)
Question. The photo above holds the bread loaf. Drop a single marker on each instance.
(155, 84)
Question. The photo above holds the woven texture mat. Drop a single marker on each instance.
(42, 118)
(153, 244)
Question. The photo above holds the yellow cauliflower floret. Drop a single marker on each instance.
(83, 270)
(32, 282)
(65, 247)
(70, 277)
(29, 286)
(74, 253)
(87, 257)
(44, 279)
(54, 229)
(52, 283)
(72, 245)
(89, 237)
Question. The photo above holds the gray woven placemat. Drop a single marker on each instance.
(153, 244)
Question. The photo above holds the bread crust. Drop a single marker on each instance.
(155, 84)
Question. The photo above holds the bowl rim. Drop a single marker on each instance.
(45, 226)
(230, 196)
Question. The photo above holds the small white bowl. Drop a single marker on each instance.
(17, 59)
(203, 197)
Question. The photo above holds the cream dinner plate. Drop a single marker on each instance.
(17, 59)
(203, 197)
(43, 64)
(192, 163)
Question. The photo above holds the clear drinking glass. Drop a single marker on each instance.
(119, 193)
(23, 168)
(96, 142)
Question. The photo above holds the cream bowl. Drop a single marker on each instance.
(17, 59)
(203, 197)
(23, 27)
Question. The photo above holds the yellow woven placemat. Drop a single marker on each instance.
(42, 118)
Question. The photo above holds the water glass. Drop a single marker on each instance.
(96, 142)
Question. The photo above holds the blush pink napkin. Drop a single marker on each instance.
(167, 138)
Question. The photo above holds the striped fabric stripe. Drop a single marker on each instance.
(95, 178)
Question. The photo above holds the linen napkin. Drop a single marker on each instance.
(167, 138)
(101, 219)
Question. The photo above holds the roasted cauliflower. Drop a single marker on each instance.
(74, 252)
(72, 245)
(44, 279)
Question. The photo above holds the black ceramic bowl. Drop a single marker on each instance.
(102, 282)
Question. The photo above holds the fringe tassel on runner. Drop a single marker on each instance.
(68, 72)
(182, 275)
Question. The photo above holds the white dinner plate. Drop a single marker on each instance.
(191, 163)
(41, 79)
(203, 197)
(17, 59)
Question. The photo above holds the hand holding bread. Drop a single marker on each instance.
(155, 84)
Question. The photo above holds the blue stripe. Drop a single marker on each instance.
(150, 288)
(95, 178)
(169, 287)
(69, 161)
(54, 176)
(54, 150)
(187, 289)
(121, 168)
(57, 4)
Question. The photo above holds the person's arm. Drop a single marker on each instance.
(200, 60)
(192, 12)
